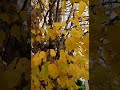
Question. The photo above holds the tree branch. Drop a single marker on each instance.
(57, 9)
(24, 5)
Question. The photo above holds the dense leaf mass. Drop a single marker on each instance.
(59, 41)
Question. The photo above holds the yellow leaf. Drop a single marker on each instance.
(36, 60)
(62, 66)
(32, 40)
(52, 52)
(86, 2)
(74, 68)
(49, 86)
(68, 83)
(71, 44)
(37, 6)
(63, 55)
(38, 38)
(70, 58)
(71, 19)
(38, 32)
(61, 81)
(51, 34)
(87, 28)
(33, 31)
(75, 1)
(63, 6)
(42, 30)
(35, 73)
(44, 72)
(53, 70)
(43, 55)
(75, 87)
(86, 40)
(84, 74)
(81, 7)
(76, 20)
(59, 24)
(37, 85)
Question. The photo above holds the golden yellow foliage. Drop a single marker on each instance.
(63, 53)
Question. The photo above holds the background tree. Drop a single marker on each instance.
(104, 45)
(15, 44)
